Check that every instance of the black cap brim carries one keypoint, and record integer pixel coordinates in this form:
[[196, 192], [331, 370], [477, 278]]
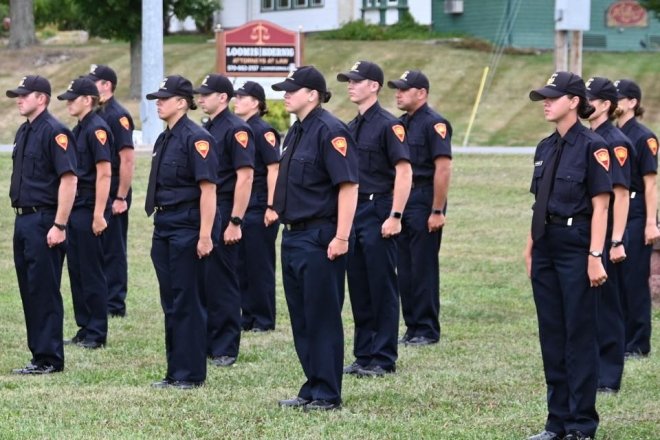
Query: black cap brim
[[286, 86], [203, 90], [67, 96], [161, 94], [398, 84], [345, 77], [545, 92], [15, 93]]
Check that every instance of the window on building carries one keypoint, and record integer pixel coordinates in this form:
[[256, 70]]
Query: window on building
[[267, 5], [300, 3], [315, 3], [283, 4]]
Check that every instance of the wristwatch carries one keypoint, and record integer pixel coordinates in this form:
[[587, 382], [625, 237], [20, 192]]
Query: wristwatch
[[617, 243], [123, 199], [59, 226], [236, 221], [395, 214], [596, 254], [438, 211]]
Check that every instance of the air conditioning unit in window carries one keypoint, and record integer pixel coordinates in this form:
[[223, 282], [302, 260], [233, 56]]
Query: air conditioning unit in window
[[453, 6]]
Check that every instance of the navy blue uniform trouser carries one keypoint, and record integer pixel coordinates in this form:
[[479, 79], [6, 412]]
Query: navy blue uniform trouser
[[257, 267], [222, 294], [89, 288], [419, 268], [115, 241], [566, 310], [611, 328], [636, 292], [39, 273], [180, 277], [372, 286], [314, 289]]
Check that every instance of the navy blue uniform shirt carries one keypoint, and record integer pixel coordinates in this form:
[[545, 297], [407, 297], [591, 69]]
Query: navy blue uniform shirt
[[235, 143], [620, 153], [93, 141], [381, 141], [188, 158], [49, 153], [267, 151], [583, 171], [121, 125], [324, 157], [429, 137], [645, 144]]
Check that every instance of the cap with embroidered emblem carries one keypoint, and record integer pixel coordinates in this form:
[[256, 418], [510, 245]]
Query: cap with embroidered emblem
[[251, 88], [102, 72], [29, 84], [363, 70], [410, 79], [305, 77], [601, 88], [215, 83], [560, 84], [82, 86], [627, 88], [173, 85]]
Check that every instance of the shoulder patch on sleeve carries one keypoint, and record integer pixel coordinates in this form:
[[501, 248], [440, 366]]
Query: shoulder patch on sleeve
[[124, 122], [101, 135], [603, 157], [340, 144], [62, 140], [400, 132], [270, 138], [202, 148], [242, 138], [653, 145], [621, 154], [441, 129]]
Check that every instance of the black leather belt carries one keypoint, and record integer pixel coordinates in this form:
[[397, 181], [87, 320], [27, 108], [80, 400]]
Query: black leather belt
[[309, 224], [567, 221], [25, 210], [178, 206], [363, 197]]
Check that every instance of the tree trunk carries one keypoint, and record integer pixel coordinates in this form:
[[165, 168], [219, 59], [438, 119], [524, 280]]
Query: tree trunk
[[136, 67], [21, 33]]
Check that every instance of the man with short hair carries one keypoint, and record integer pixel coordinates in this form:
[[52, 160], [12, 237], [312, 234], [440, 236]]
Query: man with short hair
[[429, 139], [42, 190], [123, 163]]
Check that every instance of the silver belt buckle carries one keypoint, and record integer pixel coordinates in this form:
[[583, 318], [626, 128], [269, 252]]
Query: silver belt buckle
[[569, 222]]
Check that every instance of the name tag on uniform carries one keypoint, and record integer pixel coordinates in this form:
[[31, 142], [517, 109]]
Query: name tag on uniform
[[538, 163]]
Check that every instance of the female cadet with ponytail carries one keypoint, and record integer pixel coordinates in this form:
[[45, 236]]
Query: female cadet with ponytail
[[315, 198], [564, 255]]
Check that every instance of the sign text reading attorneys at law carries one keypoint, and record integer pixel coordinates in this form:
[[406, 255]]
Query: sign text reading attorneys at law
[[258, 48]]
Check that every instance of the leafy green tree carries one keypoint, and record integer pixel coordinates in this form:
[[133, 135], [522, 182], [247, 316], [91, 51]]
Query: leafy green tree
[[652, 6]]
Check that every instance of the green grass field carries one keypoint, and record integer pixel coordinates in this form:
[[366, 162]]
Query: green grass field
[[483, 381]]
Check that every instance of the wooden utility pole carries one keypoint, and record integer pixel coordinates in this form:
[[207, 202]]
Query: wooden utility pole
[[572, 18]]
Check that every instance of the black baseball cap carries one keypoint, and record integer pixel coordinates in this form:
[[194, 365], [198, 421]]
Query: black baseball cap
[[410, 79], [560, 84], [82, 86], [215, 83], [251, 88], [29, 84], [173, 85], [601, 88], [628, 88], [306, 76], [100, 71], [363, 70]]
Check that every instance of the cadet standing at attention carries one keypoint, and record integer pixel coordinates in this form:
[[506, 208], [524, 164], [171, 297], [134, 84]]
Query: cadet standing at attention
[[429, 139], [235, 144], [84, 253], [181, 190], [642, 220], [385, 180], [602, 95], [42, 190], [564, 255], [260, 225], [123, 163], [315, 197]]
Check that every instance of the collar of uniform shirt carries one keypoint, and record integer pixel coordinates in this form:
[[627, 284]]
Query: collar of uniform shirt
[[311, 116], [571, 134]]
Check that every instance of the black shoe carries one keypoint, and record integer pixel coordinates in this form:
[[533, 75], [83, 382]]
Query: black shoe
[[607, 390], [178, 384], [405, 338], [419, 341], [545, 435], [260, 330], [322, 405], [91, 345], [294, 402], [374, 371], [73, 341], [353, 368], [577, 435], [117, 314], [223, 361], [634, 355], [37, 369]]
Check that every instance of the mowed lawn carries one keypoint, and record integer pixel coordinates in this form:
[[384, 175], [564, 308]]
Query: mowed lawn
[[483, 381]]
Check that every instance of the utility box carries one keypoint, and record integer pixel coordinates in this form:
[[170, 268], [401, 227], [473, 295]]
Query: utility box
[[572, 15]]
